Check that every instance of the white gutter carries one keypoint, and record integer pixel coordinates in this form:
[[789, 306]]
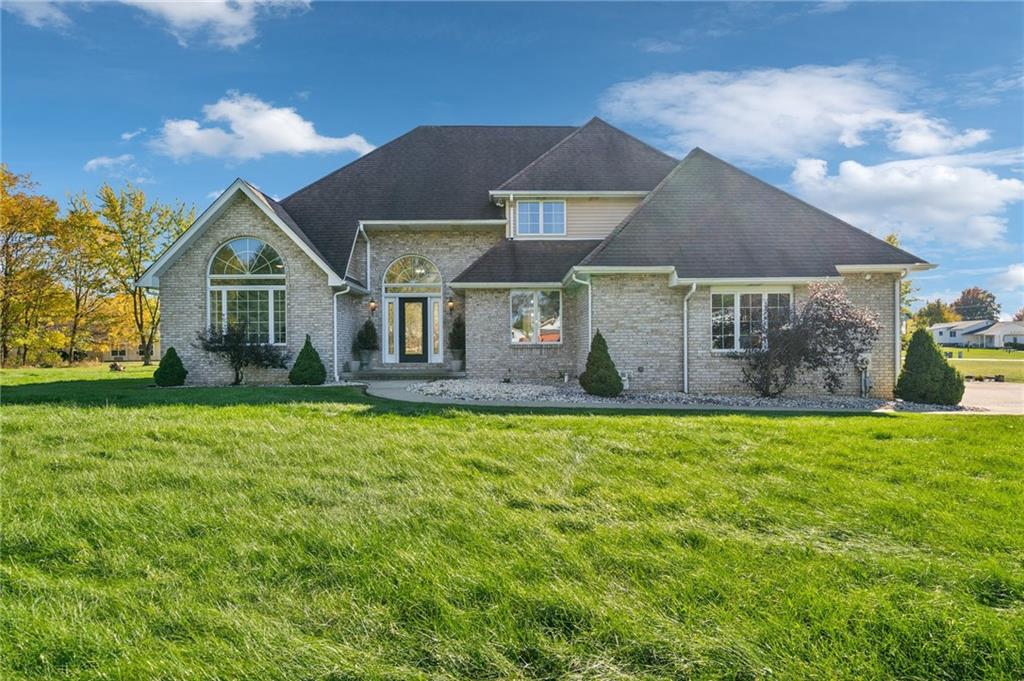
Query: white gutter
[[590, 307], [902, 269], [334, 335], [686, 337], [505, 284], [499, 193]]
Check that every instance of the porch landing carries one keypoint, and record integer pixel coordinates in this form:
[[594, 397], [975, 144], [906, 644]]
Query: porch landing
[[402, 373]]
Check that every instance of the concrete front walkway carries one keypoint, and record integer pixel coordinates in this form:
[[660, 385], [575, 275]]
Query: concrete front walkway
[[997, 398]]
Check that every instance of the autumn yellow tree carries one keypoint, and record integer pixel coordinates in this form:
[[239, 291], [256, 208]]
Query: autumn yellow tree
[[136, 233], [78, 246], [28, 290]]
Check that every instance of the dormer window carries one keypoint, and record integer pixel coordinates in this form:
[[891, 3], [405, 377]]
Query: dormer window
[[537, 218]]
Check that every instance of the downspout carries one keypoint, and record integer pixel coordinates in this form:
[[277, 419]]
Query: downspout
[[334, 309], [590, 307], [686, 337], [897, 340], [366, 237]]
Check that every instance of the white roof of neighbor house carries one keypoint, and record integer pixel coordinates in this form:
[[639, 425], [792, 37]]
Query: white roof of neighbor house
[[971, 325], [1001, 328]]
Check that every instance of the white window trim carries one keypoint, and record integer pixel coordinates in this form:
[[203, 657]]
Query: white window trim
[[736, 292], [561, 318], [540, 225], [212, 287]]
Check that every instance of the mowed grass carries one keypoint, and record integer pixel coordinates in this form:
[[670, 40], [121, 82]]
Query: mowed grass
[[314, 533], [995, 361], [985, 353]]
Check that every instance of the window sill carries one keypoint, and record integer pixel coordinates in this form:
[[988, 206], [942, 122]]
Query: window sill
[[536, 345]]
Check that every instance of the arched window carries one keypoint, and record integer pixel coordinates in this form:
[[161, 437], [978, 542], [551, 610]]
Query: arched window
[[247, 288], [412, 274]]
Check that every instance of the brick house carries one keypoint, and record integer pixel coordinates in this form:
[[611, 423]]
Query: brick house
[[538, 236]]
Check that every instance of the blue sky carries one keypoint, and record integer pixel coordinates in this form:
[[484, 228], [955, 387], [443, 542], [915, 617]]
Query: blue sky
[[897, 117]]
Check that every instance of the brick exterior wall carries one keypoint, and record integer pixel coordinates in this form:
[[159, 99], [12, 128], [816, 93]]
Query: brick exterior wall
[[451, 250], [490, 353], [183, 297]]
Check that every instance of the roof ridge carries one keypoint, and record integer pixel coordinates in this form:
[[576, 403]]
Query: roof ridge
[[351, 163], [544, 155], [635, 138], [629, 216], [844, 223]]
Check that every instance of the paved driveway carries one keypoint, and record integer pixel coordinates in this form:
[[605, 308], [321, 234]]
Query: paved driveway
[[998, 398]]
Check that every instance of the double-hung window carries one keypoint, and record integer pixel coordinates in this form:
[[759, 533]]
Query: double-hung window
[[247, 290], [535, 317], [739, 318], [536, 218]]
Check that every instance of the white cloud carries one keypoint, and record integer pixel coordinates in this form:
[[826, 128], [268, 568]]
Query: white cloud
[[779, 115], [1011, 279], [132, 134], [107, 162], [924, 200], [39, 13], [656, 46], [254, 129], [227, 23], [214, 194], [830, 7]]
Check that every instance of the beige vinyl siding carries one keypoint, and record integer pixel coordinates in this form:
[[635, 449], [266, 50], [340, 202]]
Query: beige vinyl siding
[[586, 218]]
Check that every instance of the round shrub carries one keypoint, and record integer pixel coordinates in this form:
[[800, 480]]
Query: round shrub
[[601, 377], [171, 371], [308, 368], [926, 376]]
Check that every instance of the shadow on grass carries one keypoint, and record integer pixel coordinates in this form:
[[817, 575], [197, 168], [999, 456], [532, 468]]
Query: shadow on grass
[[140, 392]]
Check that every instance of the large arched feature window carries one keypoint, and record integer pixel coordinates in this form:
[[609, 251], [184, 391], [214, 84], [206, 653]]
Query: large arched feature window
[[412, 274], [247, 288]]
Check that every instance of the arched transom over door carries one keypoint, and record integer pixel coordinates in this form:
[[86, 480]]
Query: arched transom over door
[[413, 325], [246, 288]]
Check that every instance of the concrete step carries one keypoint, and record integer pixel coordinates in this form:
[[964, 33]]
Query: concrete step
[[403, 374]]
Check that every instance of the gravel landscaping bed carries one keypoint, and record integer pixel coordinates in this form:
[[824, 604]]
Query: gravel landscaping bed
[[493, 391]]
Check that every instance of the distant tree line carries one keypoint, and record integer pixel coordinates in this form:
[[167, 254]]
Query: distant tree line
[[67, 280]]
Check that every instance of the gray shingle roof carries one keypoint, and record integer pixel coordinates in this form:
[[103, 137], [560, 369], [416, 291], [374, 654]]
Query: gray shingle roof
[[596, 157], [710, 219], [524, 261], [280, 212], [429, 173]]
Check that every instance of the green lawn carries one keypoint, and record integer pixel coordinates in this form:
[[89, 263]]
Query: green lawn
[[1010, 362], [986, 353], [317, 534]]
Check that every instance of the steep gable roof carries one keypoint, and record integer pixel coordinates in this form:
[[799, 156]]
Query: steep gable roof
[[430, 173], [709, 219], [596, 157]]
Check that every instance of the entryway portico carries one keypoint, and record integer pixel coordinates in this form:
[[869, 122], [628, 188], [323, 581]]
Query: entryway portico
[[412, 290]]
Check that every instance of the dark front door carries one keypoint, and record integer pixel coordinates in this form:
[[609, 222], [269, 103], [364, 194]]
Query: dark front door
[[412, 330]]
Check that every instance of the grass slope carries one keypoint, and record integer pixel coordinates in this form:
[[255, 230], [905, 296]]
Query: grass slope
[[312, 533]]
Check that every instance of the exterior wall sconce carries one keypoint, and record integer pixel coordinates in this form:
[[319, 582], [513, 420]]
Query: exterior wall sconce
[[373, 305], [451, 304]]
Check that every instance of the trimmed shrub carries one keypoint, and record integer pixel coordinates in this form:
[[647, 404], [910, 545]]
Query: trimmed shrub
[[171, 371], [366, 338], [601, 377], [457, 336], [308, 368], [926, 376]]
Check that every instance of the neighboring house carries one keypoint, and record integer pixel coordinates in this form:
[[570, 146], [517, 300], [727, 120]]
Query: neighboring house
[[538, 235], [124, 352], [978, 333], [957, 333]]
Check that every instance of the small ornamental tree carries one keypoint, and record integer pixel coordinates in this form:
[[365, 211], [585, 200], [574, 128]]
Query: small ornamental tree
[[171, 371], [308, 368], [457, 336], [829, 334], [600, 377], [366, 339], [234, 346], [926, 376]]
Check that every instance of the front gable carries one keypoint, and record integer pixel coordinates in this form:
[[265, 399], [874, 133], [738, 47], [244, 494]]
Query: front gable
[[239, 189]]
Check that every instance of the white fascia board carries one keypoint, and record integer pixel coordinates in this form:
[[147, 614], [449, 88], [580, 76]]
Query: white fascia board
[[429, 224], [749, 281], [608, 269], [505, 193], [912, 267], [151, 277], [505, 285]]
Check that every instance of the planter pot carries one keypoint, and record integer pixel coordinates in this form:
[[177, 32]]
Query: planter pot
[[364, 358], [458, 360]]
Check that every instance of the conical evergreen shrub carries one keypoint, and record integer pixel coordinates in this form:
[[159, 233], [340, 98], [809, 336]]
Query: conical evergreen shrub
[[171, 371], [308, 368], [926, 376], [601, 377]]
